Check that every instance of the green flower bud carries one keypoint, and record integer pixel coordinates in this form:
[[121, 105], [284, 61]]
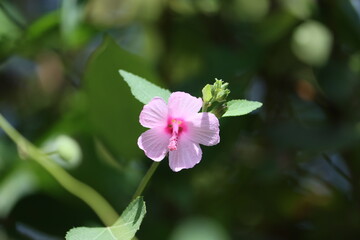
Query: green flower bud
[[220, 91], [224, 86], [216, 87], [64, 150], [222, 95], [217, 92], [219, 110], [206, 92]]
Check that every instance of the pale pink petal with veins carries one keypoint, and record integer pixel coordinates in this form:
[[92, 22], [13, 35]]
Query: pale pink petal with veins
[[154, 114], [154, 142], [183, 105], [187, 156], [203, 128]]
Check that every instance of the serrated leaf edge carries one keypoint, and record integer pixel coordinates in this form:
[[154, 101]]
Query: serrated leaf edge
[[234, 100]]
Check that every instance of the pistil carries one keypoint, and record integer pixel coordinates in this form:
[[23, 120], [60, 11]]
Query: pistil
[[175, 127]]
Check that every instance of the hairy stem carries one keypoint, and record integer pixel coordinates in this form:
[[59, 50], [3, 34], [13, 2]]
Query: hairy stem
[[146, 179], [92, 198], [204, 107]]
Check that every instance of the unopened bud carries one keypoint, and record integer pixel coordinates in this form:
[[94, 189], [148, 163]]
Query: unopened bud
[[222, 95], [206, 92], [219, 110], [64, 150], [224, 86], [220, 90]]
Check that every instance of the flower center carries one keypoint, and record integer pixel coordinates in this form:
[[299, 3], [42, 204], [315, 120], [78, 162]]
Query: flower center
[[175, 127]]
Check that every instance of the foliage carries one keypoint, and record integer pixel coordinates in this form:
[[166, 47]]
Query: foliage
[[124, 228], [241, 107], [289, 170], [143, 90]]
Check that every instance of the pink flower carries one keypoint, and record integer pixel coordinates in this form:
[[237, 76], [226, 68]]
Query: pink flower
[[177, 128]]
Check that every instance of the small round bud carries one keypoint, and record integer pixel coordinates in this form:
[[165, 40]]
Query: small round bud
[[64, 150]]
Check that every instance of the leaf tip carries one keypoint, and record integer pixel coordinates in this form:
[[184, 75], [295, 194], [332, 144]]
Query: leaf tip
[[68, 234], [259, 104], [123, 72]]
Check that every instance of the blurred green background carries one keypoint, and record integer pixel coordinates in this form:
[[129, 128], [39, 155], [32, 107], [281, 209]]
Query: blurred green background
[[291, 170]]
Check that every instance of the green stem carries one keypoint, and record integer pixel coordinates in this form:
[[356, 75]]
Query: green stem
[[146, 179], [206, 105], [51, 153], [92, 198], [204, 108]]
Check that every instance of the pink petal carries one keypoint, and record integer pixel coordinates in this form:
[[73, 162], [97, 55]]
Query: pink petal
[[187, 156], [203, 128], [154, 142], [154, 114], [183, 105]]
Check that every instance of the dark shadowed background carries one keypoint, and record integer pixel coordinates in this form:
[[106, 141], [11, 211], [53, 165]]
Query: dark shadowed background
[[290, 170]]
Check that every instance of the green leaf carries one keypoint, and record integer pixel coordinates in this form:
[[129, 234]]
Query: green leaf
[[142, 89], [123, 229], [241, 107], [206, 92], [114, 112]]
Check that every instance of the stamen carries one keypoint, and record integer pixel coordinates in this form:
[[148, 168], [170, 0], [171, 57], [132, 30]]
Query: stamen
[[173, 143], [174, 134]]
